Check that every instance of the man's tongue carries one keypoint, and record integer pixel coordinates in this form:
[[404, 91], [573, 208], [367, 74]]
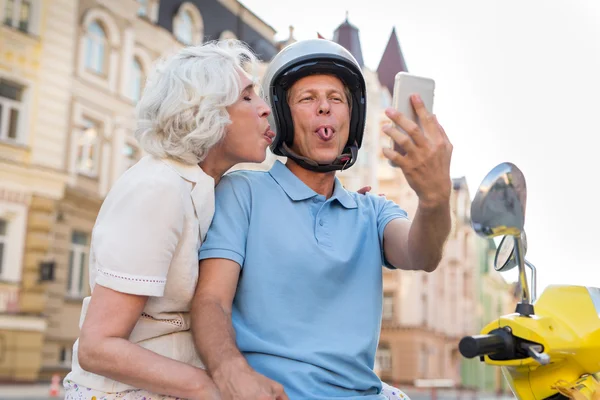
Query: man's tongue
[[325, 133]]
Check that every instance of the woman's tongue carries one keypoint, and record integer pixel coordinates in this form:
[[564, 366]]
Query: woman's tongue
[[325, 133]]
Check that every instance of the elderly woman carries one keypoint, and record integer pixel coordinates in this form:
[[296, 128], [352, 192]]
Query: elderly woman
[[198, 116]]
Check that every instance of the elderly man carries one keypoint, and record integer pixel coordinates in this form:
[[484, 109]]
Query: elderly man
[[289, 296]]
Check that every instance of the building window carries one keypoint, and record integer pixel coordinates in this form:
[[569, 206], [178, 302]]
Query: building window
[[383, 358], [95, 49], [137, 74], [388, 307], [143, 8], [13, 222], [490, 253], [227, 34], [11, 109], [130, 155], [499, 308], [188, 25], [17, 14], [98, 54], [148, 9], [9, 11], [24, 16], [66, 356], [185, 26], [3, 242], [467, 284], [425, 303], [424, 361], [87, 148], [78, 258]]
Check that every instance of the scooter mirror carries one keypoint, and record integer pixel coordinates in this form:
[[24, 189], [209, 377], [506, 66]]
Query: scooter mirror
[[506, 259], [499, 204]]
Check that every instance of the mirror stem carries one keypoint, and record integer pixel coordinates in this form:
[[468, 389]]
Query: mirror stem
[[533, 281], [525, 307]]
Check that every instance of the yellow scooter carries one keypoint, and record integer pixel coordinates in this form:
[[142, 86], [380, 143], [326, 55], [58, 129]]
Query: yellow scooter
[[547, 352]]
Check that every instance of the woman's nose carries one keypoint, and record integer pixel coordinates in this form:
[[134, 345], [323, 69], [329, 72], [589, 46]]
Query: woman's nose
[[263, 109]]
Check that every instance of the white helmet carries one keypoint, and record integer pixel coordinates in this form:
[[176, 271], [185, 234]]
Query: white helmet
[[310, 57]]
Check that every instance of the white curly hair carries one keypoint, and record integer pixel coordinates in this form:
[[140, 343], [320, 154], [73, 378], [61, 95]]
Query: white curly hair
[[182, 111]]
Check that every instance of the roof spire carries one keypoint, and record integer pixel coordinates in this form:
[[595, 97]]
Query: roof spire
[[347, 35], [391, 62]]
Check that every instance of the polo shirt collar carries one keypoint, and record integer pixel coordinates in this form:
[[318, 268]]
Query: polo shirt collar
[[342, 195], [298, 190]]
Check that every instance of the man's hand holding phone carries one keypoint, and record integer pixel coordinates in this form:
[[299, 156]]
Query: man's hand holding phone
[[427, 153]]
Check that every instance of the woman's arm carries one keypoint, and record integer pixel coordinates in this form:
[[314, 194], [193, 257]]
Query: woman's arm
[[104, 349]]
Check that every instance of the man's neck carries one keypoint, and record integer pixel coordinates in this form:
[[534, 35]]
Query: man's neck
[[320, 182]]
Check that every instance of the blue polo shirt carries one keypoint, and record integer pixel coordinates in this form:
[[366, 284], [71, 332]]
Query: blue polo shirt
[[307, 310]]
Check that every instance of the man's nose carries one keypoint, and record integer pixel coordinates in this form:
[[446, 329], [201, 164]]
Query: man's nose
[[324, 107]]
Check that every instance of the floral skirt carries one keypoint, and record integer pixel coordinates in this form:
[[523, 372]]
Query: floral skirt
[[393, 393], [78, 392], [74, 391]]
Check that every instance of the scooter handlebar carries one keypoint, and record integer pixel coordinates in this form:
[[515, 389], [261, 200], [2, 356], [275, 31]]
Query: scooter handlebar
[[481, 345]]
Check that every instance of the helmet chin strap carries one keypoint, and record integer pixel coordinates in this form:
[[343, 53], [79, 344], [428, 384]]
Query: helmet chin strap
[[342, 162]]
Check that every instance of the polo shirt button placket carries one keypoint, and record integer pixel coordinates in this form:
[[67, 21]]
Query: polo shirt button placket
[[319, 226]]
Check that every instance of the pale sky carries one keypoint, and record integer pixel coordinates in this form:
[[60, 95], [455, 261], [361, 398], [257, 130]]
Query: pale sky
[[516, 80]]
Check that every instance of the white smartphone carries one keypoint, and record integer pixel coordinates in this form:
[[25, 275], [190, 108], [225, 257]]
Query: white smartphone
[[406, 85]]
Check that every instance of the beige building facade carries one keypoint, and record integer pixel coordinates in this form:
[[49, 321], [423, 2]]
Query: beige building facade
[[496, 297], [113, 49], [426, 314], [35, 64], [70, 75]]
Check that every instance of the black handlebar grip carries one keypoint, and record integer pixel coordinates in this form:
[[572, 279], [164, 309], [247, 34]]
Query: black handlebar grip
[[481, 345]]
